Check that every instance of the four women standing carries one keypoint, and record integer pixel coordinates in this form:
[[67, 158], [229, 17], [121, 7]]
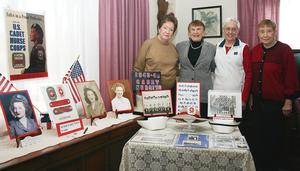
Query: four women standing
[[269, 74]]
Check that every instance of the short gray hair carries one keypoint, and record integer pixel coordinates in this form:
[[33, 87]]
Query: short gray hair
[[230, 19]]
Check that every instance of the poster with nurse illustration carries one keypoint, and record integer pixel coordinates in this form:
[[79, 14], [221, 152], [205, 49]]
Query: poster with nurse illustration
[[25, 45]]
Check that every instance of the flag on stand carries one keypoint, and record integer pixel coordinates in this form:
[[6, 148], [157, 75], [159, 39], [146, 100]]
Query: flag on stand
[[6, 85], [74, 75]]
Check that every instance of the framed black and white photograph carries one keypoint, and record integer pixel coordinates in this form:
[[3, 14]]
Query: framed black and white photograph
[[226, 104], [157, 103], [211, 18]]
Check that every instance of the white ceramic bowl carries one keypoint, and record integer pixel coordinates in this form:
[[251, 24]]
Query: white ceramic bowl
[[154, 123], [223, 127]]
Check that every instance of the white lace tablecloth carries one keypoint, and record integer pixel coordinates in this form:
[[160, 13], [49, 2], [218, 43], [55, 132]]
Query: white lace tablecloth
[[139, 156], [48, 138]]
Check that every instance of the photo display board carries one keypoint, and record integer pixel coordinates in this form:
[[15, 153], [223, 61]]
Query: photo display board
[[187, 95], [156, 103], [224, 104], [62, 109]]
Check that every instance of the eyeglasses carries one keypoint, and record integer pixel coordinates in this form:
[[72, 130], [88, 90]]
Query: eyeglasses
[[231, 29]]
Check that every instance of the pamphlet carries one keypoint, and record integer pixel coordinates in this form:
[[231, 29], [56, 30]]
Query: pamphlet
[[228, 141], [154, 137], [192, 140]]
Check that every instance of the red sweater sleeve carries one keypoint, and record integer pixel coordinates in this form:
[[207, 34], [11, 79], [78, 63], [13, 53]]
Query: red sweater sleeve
[[248, 73], [291, 83]]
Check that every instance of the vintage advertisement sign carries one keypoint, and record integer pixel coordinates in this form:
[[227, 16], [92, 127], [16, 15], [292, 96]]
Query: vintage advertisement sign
[[26, 45]]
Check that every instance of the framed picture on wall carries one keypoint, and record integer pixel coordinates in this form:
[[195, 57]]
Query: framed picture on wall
[[211, 18]]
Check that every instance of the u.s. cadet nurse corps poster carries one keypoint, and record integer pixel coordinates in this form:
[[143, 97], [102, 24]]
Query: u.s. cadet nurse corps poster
[[26, 45]]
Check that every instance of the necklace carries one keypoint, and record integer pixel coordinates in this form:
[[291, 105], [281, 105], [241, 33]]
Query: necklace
[[195, 47]]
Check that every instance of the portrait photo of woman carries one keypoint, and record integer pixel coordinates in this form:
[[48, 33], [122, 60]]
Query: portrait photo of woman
[[121, 95], [19, 114], [92, 101]]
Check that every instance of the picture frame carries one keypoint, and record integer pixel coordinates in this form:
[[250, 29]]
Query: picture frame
[[121, 102], [17, 109], [62, 108], [212, 19], [157, 103], [187, 95], [224, 104], [91, 99]]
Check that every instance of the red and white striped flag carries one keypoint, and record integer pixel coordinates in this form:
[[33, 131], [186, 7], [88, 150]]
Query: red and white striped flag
[[74, 75], [6, 85]]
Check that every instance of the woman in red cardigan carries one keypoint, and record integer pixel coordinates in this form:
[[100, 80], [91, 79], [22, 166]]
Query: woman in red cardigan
[[274, 84]]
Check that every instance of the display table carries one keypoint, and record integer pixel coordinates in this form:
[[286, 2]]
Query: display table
[[99, 150], [163, 156]]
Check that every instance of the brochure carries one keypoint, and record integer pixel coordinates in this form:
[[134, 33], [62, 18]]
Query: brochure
[[154, 137], [192, 140], [228, 141]]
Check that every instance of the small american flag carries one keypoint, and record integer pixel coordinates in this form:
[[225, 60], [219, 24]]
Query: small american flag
[[74, 75], [6, 85]]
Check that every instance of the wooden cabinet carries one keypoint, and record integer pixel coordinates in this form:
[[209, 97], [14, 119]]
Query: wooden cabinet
[[101, 150]]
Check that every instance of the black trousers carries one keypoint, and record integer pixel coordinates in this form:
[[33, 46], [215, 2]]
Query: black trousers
[[268, 143], [203, 110]]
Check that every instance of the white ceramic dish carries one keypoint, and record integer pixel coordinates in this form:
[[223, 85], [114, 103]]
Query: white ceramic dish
[[223, 127], [154, 123]]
